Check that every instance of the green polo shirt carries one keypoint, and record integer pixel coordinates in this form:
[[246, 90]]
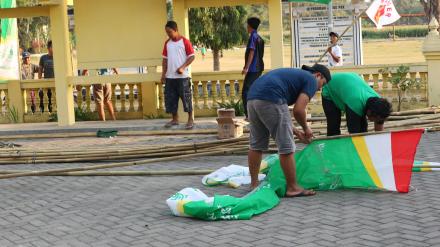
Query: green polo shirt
[[348, 89]]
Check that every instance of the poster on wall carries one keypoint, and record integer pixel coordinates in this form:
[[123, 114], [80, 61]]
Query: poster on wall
[[8, 45], [311, 34]]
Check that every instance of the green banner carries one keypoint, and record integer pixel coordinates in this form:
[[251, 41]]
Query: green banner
[[379, 162], [8, 45]]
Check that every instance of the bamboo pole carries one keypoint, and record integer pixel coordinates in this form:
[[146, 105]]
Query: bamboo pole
[[188, 172], [88, 158], [85, 153], [120, 133], [115, 165], [343, 33]]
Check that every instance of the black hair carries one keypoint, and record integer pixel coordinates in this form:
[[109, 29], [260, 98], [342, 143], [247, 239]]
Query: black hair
[[49, 44], [253, 22], [379, 107], [171, 25]]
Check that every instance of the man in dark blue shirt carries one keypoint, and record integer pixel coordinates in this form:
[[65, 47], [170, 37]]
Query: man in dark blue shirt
[[268, 107], [254, 64]]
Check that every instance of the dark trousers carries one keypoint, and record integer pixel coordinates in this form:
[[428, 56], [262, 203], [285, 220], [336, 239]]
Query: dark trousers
[[355, 123], [248, 80], [175, 89]]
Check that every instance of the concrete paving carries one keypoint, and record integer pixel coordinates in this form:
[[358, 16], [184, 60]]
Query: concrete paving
[[131, 211]]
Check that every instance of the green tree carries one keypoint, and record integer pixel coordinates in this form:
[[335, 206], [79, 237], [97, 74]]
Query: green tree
[[218, 29], [432, 8], [401, 80], [31, 29]]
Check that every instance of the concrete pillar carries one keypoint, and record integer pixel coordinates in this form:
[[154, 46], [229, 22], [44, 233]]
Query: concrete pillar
[[276, 33], [16, 99], [62, 63], [180, 12], [431, 50], [149, 96]]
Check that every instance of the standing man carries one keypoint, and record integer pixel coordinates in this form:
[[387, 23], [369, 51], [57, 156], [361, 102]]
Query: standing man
[[46, 69], [268, 107], [102, 94], [178, 54], [349, 93], [334, 52], [28, 71], [254, 64]]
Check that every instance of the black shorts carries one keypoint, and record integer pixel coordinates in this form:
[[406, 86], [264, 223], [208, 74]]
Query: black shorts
[[175, 89]]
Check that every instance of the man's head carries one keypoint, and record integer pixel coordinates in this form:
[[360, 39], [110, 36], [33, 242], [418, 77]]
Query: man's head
[[49, 47], [252, 24], [26, 57], [321, 73], [378, 109], [171, 30], [333, 37]]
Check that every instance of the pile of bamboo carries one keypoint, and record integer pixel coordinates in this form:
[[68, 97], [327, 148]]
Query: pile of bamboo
[[140, 155]]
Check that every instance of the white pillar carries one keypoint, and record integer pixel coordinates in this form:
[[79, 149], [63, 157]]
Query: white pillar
[[276, 33], [431, 50]]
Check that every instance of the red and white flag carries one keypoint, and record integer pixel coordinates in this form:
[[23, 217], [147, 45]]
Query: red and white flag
[[383, 12]]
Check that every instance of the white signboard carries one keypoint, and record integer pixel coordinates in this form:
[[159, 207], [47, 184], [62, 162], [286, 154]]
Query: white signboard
[[311, 37]]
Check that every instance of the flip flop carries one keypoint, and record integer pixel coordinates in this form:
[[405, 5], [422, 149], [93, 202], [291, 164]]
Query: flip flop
[[170, 124], [302, 194], [189, 126]]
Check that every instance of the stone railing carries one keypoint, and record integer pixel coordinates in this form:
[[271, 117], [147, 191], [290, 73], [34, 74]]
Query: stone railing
[[39, 100], [381, 81], [35, 100], [210, 91]]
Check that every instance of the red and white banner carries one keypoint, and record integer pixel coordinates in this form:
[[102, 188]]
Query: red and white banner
[[383, 12]]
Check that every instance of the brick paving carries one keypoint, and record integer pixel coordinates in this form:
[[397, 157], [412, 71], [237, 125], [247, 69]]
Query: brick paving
[[131, 211]]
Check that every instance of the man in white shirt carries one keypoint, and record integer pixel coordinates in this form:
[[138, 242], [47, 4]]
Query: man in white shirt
[[334, 52], [178, 54]]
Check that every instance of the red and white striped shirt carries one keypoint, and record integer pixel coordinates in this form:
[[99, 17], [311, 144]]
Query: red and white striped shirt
[[177, 52]]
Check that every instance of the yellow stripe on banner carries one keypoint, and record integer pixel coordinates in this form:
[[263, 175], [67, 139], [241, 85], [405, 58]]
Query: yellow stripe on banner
[[364, 154], [426, 169]]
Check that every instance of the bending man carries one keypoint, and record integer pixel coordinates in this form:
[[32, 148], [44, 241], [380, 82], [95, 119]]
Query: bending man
[[348, 92], [268, 108]]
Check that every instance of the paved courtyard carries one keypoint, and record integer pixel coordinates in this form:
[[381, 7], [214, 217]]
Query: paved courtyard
[[131, 211]]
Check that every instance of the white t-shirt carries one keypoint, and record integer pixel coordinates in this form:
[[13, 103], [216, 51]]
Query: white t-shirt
[[337, 51], [177, 52]]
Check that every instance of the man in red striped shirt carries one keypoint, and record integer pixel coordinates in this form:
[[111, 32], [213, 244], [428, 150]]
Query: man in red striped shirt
[[178, 54]]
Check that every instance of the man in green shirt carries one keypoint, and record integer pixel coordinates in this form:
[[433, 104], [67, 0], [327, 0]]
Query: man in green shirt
[[348, 92]]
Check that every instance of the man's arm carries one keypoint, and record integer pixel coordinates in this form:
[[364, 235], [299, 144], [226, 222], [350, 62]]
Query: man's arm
[[378, 126], [187, 63], [248, 62], [299, 112], [334, 56], [40, 68], [164, 69]]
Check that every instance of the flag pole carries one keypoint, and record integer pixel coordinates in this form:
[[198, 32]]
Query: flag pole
[[343, 33]]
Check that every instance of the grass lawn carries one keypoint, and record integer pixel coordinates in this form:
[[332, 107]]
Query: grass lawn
[[375, 52]]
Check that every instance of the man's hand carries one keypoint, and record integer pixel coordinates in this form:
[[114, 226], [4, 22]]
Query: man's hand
[[244, 72], [329, 50], [298, 133], [180, 70], [308, 134]]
